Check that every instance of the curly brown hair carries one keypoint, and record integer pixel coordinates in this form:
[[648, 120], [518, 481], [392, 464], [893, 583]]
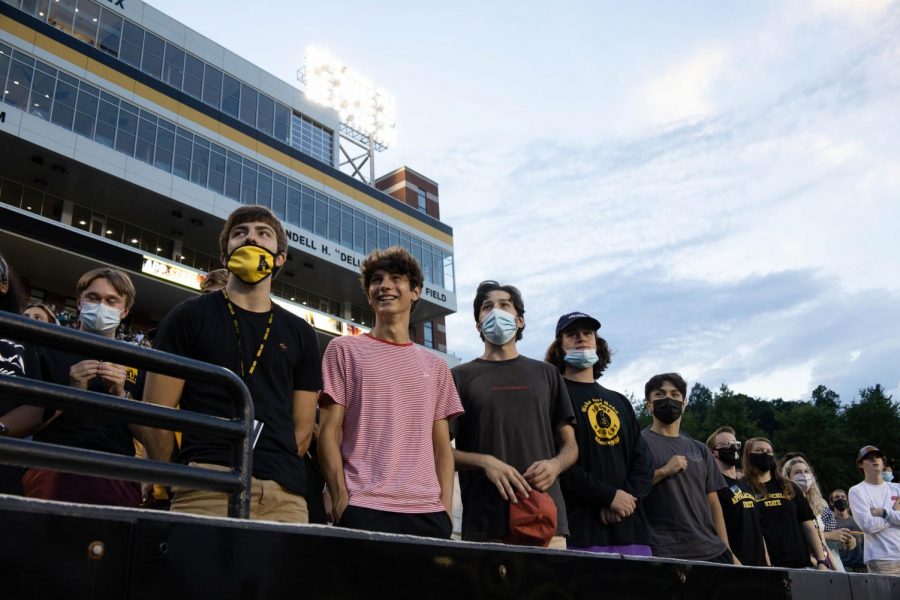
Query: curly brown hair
[[556, 356], [396, 261]]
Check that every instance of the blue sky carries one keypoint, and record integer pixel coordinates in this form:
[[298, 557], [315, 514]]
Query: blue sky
[[717, 182]]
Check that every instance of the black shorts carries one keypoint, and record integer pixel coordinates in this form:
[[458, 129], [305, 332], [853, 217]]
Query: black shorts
[[436, 524]]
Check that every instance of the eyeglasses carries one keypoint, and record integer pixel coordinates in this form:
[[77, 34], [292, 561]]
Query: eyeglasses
[[735, 444]]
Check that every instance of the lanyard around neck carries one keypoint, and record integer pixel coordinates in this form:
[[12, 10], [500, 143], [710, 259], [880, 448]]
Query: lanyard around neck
[[237, 330]]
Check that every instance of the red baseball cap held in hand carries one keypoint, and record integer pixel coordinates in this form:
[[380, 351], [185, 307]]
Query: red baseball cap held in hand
[[532, 521]]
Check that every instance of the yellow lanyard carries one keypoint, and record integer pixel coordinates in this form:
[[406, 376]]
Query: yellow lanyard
[[237, 331]]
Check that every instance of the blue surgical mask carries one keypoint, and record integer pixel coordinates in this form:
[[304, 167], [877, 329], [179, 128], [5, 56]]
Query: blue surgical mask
[[581, 359], [888, 476], [499, 327], [99, 318]]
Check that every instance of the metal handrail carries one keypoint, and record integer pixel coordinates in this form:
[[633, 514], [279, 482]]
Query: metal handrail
[[238, 430]]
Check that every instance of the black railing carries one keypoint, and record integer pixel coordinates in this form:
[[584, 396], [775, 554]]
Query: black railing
[[238, 430]]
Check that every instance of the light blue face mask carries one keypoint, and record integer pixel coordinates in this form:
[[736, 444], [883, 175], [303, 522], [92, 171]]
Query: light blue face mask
[[888, 476], [499, 327], [99, 318], [581, 359]]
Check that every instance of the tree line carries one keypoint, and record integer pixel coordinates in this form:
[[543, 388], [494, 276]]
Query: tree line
[[828, 432]]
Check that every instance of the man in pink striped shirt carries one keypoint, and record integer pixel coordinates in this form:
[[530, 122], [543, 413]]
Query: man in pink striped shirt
[[384, 435]]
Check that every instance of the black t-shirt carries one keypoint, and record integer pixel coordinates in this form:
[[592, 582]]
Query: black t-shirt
[[612, 455], [781, 519], [745, 534], [202, 328], [87, 431], [513, 410]]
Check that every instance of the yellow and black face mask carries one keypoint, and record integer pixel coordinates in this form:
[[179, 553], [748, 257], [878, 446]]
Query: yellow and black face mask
[[251, 264]]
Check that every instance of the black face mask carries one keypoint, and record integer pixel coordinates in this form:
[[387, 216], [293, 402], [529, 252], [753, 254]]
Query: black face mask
[[730, 455], [840, 504], [667, 410], [763, 462]]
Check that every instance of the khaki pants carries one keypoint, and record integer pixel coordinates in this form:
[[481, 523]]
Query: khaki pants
[[884, 567], [268, 501]]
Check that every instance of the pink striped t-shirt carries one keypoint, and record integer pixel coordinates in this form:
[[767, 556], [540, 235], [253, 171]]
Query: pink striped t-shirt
[[392, 394]]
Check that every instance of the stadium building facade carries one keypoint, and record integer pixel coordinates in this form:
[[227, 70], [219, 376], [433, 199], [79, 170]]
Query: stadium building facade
[[126, 138]]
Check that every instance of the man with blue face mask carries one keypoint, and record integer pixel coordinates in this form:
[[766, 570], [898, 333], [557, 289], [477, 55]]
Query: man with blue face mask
[[105, 297], [603, 489], [516, 436]]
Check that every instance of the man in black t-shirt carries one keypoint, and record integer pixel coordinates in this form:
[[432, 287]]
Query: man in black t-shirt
[[603, 490], [104, 298], [275, 352], [517, 432]]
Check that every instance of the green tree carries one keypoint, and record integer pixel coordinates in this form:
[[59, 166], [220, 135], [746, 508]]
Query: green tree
[[819, 433], [873, 419], [732, 409], [700, 401], [825, 398]]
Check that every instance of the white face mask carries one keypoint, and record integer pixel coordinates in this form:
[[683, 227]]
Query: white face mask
[[99, 318], [499, 327], [804, 481]]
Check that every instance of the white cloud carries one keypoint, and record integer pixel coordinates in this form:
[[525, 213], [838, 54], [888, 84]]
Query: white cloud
[[683, 91]]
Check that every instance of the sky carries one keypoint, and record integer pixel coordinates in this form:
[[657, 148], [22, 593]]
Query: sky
[[717, 182]]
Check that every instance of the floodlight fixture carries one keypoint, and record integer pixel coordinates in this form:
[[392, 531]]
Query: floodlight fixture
[[362, 107]]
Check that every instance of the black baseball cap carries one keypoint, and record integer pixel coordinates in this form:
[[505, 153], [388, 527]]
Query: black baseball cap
[[569, 318]]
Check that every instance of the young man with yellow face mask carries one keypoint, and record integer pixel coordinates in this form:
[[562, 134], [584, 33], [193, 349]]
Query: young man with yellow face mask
[[276, 354]]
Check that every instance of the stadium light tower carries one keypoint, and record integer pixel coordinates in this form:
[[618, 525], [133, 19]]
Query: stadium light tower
[[367, 113]]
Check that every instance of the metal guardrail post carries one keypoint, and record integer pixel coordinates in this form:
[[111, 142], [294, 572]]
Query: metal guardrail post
[[238, 430]]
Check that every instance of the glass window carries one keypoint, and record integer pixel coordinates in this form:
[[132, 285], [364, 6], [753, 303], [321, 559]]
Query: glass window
[[152, 60], [62, 14], [249, 101], [115, 230], [233, 177], [200, 162], [279, 195], [248, 183], [86, 110], [81, 217], [64, 104], [231, 95], [295, 199], [165, 146], [264, 187], [217, 168], [126, 130], [11, 193], [193, 76], [266, 116], [423, 202], [87, 15], [165, 247], [42, 92], [18, 84], [309, 210], [184, 141], [5, 52], [173, 66], [146, 138], [429, 334], [37, 8], [212, 86], [109, 35], [282, 123], [107, 117], [132, 44]]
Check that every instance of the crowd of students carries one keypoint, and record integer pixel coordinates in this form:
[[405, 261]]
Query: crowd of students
[[369, 435]]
